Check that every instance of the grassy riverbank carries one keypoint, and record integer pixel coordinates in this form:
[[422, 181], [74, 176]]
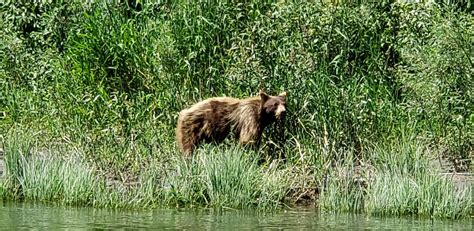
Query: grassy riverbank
[[378, 96]]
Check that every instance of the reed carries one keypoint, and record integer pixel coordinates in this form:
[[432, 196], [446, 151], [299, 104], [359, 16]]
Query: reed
[[426, 195], [399, 180]]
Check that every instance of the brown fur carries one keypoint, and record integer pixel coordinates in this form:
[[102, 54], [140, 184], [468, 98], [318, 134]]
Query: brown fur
[[213, 119]]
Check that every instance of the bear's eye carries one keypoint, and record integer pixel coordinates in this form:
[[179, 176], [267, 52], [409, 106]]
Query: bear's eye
[[275, 104]]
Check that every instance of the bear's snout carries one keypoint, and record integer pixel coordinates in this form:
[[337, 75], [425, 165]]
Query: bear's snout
[[280, 112]]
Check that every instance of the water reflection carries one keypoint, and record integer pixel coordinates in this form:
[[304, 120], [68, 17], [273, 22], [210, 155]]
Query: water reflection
[[33, 216]]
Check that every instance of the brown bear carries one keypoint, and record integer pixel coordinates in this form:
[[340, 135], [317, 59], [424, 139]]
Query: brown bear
[[213, 119]]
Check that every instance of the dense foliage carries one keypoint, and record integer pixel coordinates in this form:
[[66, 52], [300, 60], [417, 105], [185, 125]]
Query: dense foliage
[[106, 80]]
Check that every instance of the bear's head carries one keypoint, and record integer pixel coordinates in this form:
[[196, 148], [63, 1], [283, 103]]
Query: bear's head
[[273, 107]]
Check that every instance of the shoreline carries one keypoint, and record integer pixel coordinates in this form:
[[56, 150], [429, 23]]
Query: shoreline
[[295, 197]]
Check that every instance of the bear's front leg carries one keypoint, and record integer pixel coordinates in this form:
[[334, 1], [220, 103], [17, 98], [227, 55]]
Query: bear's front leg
[[249, 138]]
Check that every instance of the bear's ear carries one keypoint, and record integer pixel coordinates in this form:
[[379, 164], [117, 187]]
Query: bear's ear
[[283, 94], [263, 96]]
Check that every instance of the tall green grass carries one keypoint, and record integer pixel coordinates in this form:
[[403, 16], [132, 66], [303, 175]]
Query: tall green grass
[[226, 178], [426, 195], [45, 175], [214, 177], [101, 84], [396, 180]]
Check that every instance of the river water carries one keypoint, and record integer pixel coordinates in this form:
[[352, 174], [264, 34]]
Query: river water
[[18, 216]]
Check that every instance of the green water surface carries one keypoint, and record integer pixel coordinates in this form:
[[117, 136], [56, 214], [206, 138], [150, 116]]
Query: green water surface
[[15, 216]]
